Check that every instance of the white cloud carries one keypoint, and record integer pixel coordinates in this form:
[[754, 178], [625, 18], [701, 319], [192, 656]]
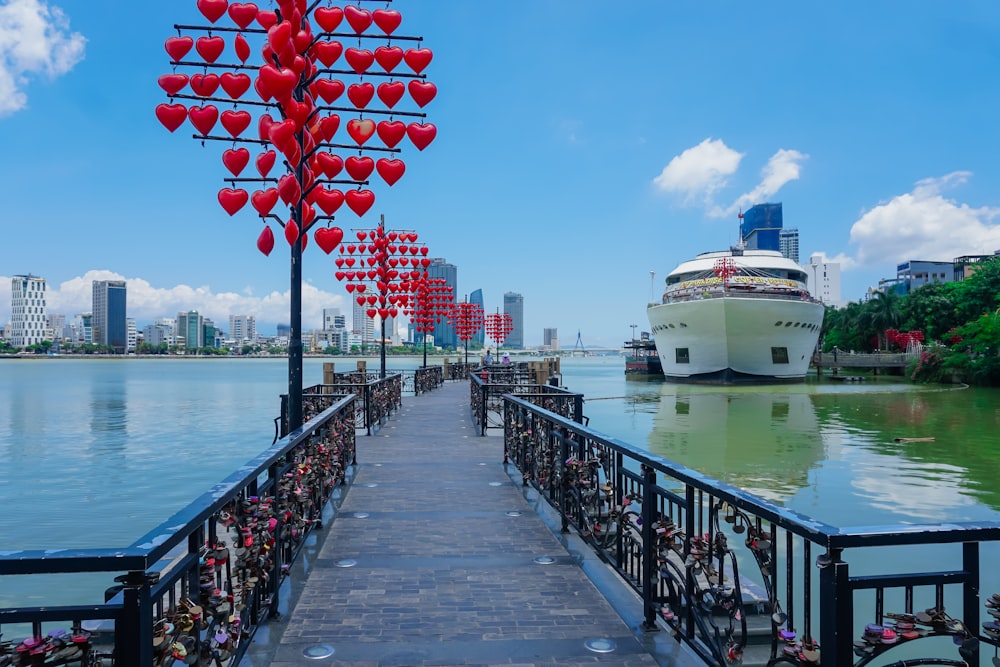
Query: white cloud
[[146, 303], [34, 38], [699, 172], [846, 262], [924, 224]]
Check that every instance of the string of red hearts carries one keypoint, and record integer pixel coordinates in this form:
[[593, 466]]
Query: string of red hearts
[[431, 301], [498, 326], [467, 319]]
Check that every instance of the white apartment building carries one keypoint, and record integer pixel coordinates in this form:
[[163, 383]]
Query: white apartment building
[[824, 280], [243, 328], [28, 321]]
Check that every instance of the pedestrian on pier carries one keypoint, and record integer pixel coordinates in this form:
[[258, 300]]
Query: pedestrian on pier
[[488, 361]]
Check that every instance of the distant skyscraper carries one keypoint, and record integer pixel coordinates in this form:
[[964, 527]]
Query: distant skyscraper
[[444, 333], [788, 242], [284, 331], [28, 322], [190, 330], [361, 324], [761, 226], [243, 328], [476, 297], [824, 280], [550, 339], [109, 323], [333, 319], [513, 305]]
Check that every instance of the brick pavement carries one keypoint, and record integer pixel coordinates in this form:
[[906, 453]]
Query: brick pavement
[[422, 564]]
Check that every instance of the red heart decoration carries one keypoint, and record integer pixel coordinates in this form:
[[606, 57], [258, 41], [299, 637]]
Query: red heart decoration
[[235, 121], [349, 261], [172, 83], [328, 89], [359, 168], [363, 235], [390, 170], [298, 112], [264, 124], [265, 161], [210, 48], [391, 132], [418, 59], [266, 19], [422, 92], [204, 118], [264, 200], [236, 159], [358, 18], [233, 200], [205, 85], [387, 20], [371, 313], [360, 94], [178, 47], [302, 39], [388, 57], [383, 313], [282, 134], [212, 9], [243, 13], [425, 262], [423, 250], [242, 48], [359, 59], [359, 201], [291, 232], [328, 238], [361, 129], [289, 189], [308, 216], [236, 84], [360, 288], [393, 312], [279, 82], [328, 18], [391, 92], [350, 288], [262, 91], [329, 125], [265, 242], [360, 299], [327, 52], [329, 164], [421, 134], [279, 36], [328, 200], [171, 115]]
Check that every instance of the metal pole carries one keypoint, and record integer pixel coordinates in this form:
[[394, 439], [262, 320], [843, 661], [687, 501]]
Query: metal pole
[[295, 335], [425, 349], [382, 356]]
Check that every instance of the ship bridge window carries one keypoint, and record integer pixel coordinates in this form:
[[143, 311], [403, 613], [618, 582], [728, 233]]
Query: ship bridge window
[[681, 355], [779, 355]]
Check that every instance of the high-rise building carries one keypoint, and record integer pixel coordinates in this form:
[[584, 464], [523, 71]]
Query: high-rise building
[[190, 330], [361, 324], [158, 334], [444, 333], [513, 305], [476, 297], [131, 335], [761, 227], [550, 339], [109, 323], [824, 280], [56, 324], [788, 244], [28, 321], [242, 328], [333, 319]]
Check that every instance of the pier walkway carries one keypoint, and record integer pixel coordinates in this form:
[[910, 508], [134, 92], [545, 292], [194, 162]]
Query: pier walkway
[[431, 560]]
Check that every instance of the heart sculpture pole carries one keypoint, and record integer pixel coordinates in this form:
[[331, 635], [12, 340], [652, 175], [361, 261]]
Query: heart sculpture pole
[[430, 302], [305, 141], [498, 327], [467, 319], [381, 270]]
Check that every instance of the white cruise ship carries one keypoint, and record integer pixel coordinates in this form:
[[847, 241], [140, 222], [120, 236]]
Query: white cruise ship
[[736, 316]]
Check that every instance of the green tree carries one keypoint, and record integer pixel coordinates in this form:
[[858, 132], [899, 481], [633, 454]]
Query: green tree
[[881, 312]]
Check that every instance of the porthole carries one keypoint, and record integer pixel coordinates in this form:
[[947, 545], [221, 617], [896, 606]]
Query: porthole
[[778, 323], [671, 326], [683, 326], [788, 324]]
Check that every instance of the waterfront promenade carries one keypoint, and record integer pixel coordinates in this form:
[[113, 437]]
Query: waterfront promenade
[[431, 560]]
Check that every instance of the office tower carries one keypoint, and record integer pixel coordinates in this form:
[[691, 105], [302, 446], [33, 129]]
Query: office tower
[[333, 319], [550, 339], [788, 243], [109, 324], [476, 297], [444, 333], [243, 328], [513, 305], [131, 334], [760, 227], [190, 330], [361, 324], [56, 324], [158, 334], [28, 322]]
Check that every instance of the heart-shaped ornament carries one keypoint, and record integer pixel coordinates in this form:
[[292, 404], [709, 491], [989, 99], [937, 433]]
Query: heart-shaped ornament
[[387, 20], [328, 200], [359, 168], [236, 159], [359, 59], [360, 129], [329, 164], [421, 134], [243, 13], [360, 94], [359, 19], [422, 92], [391, 132], [390, 170], [328, 18], [265, 161], [178, 47], [172, 83], [328, 238], [233, 200], [204, 118], [205, 85], [359, 201], [210, 48], [388, 57], [418, 59], [327, 52], [212, 9], [265, 242], [264, 201], [235, 121], [235, 84], [390, 92], [242, 48], [171, 115]]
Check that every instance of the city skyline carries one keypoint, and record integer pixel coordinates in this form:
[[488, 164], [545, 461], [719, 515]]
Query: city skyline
[[878, 141]]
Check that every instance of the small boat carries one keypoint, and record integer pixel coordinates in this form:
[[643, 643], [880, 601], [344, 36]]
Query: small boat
[[641, 358]]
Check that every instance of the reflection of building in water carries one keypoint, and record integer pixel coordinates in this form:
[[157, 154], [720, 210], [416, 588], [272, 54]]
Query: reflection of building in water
[[761, 441]]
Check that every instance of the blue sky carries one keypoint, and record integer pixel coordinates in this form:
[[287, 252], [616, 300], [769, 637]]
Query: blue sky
[[581, 145]]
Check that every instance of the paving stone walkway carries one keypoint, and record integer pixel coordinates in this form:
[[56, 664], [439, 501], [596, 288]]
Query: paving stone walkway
[[431, 560]]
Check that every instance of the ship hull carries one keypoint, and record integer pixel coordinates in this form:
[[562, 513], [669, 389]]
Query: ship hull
[[735, 339]]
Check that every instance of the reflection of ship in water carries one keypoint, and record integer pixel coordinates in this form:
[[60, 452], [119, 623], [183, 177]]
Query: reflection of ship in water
[[765, 442]]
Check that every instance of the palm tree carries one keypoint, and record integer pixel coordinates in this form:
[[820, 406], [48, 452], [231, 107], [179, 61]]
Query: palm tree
[[883, 311]]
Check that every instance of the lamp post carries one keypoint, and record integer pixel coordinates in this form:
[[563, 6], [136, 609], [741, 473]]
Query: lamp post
[[633, 330], [295, 85]]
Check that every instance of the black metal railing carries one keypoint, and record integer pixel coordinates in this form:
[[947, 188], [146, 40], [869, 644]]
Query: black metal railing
[[378, 398], [426, 379], [740, 579], [206, 579], [455, 372], [488, 385]]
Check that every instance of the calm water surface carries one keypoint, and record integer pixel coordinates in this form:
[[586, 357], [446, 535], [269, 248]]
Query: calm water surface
[[98, 452]]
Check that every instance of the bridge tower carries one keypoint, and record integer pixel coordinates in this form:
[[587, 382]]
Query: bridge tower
[[579, 348]]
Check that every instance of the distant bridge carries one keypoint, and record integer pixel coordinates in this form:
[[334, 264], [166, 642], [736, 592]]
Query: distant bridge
[[874, 361]]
